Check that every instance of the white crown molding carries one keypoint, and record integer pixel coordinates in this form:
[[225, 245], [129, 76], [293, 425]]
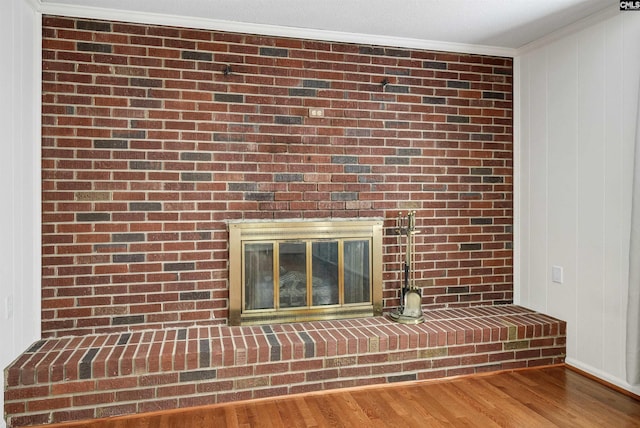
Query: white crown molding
[[36, 5], [603, 15], [61, 9]]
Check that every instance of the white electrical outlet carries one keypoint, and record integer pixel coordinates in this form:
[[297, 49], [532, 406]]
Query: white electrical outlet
[[557, 274], [316, 112]]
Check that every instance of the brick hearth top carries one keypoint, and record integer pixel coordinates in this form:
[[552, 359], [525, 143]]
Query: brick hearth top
[[205, 348], [85, 377]]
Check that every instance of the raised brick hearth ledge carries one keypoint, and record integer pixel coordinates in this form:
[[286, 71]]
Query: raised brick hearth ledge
[[71, 378]]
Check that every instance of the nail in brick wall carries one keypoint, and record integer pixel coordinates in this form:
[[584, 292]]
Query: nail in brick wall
[[150, 146]]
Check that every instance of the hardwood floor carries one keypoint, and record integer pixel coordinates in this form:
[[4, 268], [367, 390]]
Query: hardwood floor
[[544, 397]]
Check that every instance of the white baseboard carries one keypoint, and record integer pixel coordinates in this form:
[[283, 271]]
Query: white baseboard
[[607, 377]]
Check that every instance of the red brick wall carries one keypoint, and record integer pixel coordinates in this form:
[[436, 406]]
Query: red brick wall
[[149, 148]]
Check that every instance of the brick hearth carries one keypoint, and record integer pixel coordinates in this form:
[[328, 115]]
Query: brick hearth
[[71, 378]]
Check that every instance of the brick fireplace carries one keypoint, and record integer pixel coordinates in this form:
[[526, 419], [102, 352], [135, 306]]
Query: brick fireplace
[[156, 139]]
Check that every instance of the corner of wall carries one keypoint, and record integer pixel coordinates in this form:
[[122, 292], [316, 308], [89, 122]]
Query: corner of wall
[[20, 246], [517, 280]]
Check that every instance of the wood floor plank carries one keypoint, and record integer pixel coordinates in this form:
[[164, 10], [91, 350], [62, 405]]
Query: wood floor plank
[[267, 415], [419, 413], [290, 414], [542, 397], [369, 409], [309, 420], [550, 402], [562, 404], [348, 405], [483, 403], [461, 399], [333, 415]]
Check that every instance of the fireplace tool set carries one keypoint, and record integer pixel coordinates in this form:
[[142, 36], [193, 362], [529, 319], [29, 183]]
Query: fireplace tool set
[[410, 309]]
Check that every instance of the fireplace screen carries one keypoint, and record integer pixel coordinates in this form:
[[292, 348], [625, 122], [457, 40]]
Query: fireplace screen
[[304, 270]]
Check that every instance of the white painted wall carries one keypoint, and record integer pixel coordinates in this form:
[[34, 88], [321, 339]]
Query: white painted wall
[[577, 102], [20, 67]]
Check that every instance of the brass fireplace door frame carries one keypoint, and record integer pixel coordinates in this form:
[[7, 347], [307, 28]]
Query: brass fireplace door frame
[[241, 233]]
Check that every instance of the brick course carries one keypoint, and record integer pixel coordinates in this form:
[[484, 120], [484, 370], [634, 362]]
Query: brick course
[[154, 137]]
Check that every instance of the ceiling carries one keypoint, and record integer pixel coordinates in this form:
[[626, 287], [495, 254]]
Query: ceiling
[[508, 24]]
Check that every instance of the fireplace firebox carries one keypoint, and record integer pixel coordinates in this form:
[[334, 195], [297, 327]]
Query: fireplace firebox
[[304, 270]]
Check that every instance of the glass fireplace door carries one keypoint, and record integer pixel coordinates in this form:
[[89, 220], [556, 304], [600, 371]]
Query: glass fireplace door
[[292, 274], [357, 281], [304, 271], [258, 275], [306, 274], [326, 279]]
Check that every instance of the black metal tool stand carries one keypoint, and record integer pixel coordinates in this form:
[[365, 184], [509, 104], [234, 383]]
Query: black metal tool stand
[[410, 309]]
